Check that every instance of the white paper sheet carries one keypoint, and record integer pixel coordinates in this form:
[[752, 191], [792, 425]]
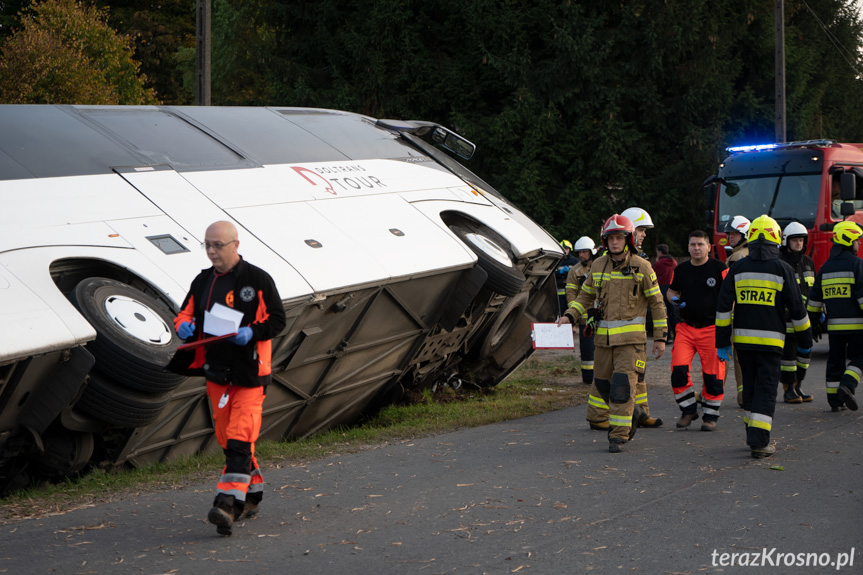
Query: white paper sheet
[[552, 336], [222, 320]]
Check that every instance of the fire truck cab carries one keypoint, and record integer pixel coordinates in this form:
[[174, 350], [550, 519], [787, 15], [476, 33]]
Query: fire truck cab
[[816, 182]]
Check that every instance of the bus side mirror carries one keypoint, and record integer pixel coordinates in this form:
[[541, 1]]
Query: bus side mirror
[[848, 188]]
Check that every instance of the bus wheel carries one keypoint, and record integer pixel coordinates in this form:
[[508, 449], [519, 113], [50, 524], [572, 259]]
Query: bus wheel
[[135, 336], [503, 277]]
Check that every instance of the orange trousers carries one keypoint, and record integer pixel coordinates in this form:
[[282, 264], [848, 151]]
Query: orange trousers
[[688, 341], [238, 424]]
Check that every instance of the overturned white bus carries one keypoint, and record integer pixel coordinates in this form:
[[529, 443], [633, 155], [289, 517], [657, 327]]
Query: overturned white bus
[[398, 269]]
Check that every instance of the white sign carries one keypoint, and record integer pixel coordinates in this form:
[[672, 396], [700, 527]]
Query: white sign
[[552, 336]]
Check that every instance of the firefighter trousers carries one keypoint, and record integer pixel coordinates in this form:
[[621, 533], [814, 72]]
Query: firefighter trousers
[[237, 417], [794, 363], [760, 371], [844, 364], [616, 380], [597, 408], [586, 349], [687, 343]]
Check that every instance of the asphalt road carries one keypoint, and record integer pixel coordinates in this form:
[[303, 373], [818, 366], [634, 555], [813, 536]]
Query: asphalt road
[[538, 495]]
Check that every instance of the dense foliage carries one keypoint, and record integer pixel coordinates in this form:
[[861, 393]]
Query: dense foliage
[[578, 109]]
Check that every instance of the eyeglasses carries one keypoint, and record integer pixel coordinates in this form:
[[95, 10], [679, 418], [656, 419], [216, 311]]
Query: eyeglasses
[[218, 246]]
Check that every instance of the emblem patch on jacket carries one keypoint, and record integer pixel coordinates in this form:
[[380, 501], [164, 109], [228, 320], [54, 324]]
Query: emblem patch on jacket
[[247, 294]]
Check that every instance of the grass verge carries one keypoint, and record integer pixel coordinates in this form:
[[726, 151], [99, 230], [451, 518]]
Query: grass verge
[[546, 382]]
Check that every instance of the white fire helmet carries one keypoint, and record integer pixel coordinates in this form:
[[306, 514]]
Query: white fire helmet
[[638, 217], [795, 230], [738, 224], [584, 243]]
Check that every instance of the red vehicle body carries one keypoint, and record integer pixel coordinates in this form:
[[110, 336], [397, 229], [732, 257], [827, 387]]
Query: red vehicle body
[[795, 181]]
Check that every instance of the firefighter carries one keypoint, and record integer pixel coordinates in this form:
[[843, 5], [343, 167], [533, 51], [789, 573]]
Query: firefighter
[[624, 285], [736, 230], [736, 250], [642, 222], [838, 287], [759, 288], [563, 267], [585, 250], [794, 364]]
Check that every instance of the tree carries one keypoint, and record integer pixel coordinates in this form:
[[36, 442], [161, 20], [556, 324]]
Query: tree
[[66, 53]]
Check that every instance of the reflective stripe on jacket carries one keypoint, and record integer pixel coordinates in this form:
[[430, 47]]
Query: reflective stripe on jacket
[[760, 290], [624, 292]]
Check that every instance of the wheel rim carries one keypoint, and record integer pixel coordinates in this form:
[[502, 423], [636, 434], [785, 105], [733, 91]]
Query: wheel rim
[[137, 320], [489, 248]]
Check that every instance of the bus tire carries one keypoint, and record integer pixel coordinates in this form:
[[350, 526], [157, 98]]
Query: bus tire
[[503, 277], [135, 336]]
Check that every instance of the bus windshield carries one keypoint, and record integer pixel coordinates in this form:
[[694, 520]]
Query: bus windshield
[[788, 198]]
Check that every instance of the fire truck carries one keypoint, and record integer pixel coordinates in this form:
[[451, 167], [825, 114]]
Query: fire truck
[[816, 182]]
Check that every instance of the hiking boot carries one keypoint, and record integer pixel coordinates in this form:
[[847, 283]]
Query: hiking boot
[[762, 452], [686, 419], [790, 395], [250, 509], [846, 395], [651, 422], [708, 425], [223, 519], [805, 397], [223, 513], [600, 426]]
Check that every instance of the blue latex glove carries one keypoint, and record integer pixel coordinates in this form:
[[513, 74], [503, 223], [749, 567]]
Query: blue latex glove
[[803, 350], [724, 353], [243, 336], [186, 330], [679, 304], [563, 269]]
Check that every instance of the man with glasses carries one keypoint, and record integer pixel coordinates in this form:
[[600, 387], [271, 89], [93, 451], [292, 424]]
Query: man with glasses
[[237, 369]]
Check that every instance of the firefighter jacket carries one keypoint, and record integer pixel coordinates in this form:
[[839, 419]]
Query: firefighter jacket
[[804, 269], [739, 252], [760, 288], [623, 290], [574, 280], [254, 293], [838, 289]]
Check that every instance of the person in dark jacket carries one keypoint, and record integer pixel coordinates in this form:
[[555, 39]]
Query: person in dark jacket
[[237, 369], [759, 288], [838, 287], [795, 364]]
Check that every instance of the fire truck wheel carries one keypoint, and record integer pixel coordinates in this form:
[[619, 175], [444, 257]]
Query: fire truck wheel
[[135, 336], [503, 277]]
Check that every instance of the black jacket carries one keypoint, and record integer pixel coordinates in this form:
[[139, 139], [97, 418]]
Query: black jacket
[[256, 296]]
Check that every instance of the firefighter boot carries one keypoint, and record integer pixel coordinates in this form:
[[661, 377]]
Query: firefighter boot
[[599, 426], [846, 395], [762, 452], [614, 445], [223, 513], [804, 397], [790, 395], [651, 422]]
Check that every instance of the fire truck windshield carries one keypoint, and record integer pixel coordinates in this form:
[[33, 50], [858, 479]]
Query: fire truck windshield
[[788, 198]]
